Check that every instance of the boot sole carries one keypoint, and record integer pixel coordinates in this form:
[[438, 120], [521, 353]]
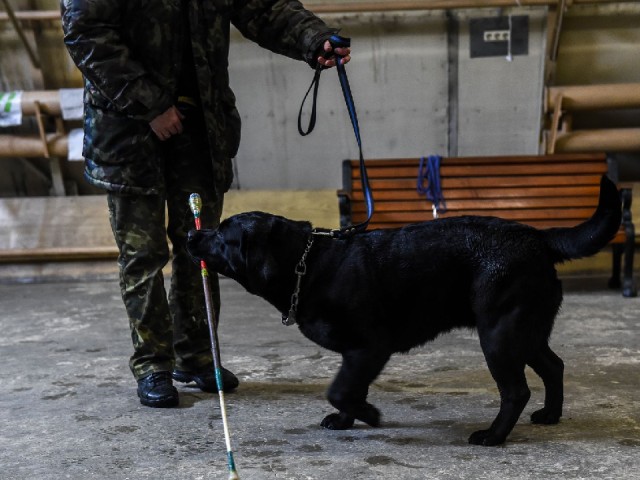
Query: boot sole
[[188, 378], [166, 403]]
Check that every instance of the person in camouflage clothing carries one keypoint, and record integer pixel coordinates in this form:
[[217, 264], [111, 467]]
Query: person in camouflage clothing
[[161, 123]]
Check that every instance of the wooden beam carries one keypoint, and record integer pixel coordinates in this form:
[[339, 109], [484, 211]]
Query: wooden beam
[[34, 16], [57, 254], [366, 7], [593, 97], [602, 140], [49, 101], [31, 146]]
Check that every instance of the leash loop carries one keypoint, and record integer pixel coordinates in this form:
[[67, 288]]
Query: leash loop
[[429, 172], [315, 83]]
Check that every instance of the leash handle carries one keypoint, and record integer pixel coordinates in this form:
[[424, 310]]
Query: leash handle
[[315, 83], [341, 42], [336, 42]]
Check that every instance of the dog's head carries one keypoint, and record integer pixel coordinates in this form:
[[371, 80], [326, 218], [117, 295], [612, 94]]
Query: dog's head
[[253, 248]]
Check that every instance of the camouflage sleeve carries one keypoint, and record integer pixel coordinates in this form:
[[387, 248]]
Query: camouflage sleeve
[[282, 26], [91, 35]]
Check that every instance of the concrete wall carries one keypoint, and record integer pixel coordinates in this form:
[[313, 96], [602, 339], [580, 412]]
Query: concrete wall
[[401, 73], [399, 81], [499, 100]]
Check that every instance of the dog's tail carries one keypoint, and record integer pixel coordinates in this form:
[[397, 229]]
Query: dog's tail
[[591, 236]]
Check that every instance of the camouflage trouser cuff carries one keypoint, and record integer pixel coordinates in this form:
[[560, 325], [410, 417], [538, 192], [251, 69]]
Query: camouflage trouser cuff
[[142, 371]]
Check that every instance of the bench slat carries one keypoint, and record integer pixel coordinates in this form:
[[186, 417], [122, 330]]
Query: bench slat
[[487, 170], [482, 193], [485, 182], [466, 205], [578, 214], [479, 161]]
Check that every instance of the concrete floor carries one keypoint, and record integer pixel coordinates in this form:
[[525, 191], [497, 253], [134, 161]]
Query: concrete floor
[[68, 407]]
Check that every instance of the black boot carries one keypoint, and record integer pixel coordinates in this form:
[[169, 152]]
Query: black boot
[[157, 390], [205, 379]]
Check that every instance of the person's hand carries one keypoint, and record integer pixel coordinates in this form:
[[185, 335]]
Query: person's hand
[[343, 53], [167, 124]]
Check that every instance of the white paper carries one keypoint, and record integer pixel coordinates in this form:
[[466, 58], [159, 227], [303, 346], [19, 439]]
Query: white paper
[[71, 103], [10, 109], [76, 137]]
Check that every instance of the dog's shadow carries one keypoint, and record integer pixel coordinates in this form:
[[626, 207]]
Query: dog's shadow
[[445, 429], [263, 391]]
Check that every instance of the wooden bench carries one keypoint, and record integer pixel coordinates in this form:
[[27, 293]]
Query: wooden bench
[[541, 191]]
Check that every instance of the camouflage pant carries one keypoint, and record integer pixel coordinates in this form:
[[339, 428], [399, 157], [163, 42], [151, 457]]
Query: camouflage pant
[[171, 331]]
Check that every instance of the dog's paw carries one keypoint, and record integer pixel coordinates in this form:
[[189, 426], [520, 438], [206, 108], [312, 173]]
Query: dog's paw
[[369, 415], [486, 438], [337, 421], [545, 416]]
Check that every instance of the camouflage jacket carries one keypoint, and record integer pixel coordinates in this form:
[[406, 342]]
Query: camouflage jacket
[[129, 52]]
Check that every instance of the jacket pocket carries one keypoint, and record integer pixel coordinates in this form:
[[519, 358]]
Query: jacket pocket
[[120, 152], [114, 139]]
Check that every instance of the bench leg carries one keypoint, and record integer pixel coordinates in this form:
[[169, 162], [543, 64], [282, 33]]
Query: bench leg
[[616, 255], [629, 288]]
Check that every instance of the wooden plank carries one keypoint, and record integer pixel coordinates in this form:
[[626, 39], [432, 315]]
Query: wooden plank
[[610, 139], [59, 254], [355, 7], [482, 193], [76, 228], [489, 170], [519, 159], [486, 182], [560, 203], [592, 97], [518, 215]]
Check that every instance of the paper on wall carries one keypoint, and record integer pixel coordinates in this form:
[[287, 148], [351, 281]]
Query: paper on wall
[[76, 137], [10, 108]]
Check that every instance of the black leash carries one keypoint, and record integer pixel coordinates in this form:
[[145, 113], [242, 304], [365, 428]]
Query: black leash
[[341, 42]]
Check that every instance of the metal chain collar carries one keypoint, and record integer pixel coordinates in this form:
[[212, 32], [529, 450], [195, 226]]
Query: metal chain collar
[[301, 270]]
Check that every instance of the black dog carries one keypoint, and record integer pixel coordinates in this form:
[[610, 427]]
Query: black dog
[[365, 296]]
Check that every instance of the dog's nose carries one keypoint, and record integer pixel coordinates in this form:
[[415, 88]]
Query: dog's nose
[[192, 241]]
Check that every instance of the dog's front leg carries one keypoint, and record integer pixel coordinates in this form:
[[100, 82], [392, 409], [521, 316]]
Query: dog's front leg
[[349, 390]]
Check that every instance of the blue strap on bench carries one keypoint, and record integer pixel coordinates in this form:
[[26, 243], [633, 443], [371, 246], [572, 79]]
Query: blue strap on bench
[[429, 173], [341, 42]]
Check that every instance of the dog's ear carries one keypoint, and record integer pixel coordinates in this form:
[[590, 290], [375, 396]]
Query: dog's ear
[[273, 245]]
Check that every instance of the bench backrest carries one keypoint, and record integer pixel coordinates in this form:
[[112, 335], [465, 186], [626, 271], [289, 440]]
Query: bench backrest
[[542, 191]]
